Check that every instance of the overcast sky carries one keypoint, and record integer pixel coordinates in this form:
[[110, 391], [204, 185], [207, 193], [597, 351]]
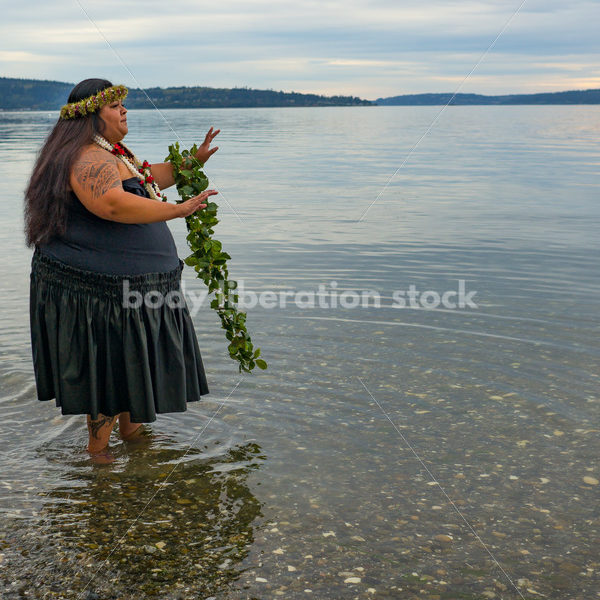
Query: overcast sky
[[367, 48]]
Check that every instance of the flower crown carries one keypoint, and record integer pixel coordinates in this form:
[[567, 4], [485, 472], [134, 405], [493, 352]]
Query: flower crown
[[93, 103]]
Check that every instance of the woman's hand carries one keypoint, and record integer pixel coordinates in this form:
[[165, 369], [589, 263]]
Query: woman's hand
[[205, 151], [194, 204]]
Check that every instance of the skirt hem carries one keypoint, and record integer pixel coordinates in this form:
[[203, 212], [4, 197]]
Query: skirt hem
[[73, 414]]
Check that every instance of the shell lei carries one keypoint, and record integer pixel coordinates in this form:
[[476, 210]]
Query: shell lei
[[141, 170]]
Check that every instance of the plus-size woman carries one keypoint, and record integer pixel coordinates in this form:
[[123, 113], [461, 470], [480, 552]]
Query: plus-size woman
[[96, 220]]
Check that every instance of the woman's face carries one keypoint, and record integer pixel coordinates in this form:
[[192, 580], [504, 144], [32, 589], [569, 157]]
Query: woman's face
[[115, 121]]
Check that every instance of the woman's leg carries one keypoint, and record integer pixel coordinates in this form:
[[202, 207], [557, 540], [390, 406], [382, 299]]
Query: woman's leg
[[99, 430], [127, 429]]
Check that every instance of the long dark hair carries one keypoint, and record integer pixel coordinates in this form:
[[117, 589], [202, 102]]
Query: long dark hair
[[47, 196]]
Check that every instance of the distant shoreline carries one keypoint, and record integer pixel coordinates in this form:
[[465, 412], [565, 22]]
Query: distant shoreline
[[39, 95], [371, 105], [544, 99]]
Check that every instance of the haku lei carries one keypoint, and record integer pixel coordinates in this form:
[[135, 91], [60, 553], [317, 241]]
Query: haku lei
[[141, 170], [93, 103]]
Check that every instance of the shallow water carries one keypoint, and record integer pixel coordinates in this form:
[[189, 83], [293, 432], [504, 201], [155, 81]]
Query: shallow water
[[387, 452]]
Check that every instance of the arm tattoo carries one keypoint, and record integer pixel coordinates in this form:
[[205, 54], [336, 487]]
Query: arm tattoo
[[100, 422], [96, 172]]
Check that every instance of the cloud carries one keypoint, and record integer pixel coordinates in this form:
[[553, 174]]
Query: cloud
[[369, 48]]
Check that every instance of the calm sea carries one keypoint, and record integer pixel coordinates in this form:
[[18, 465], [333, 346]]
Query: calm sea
[[425, 451]]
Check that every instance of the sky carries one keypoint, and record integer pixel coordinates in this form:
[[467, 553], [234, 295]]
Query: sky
[[366, 48]]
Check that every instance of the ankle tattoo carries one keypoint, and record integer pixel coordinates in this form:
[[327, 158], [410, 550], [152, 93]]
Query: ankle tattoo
[[96, 425]]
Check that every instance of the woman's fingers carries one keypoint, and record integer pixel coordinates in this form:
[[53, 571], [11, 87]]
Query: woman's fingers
[[196, 203], [206, 193], [211, 135]]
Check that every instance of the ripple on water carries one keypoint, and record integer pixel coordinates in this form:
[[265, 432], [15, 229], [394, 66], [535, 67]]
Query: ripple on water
[[306, 479]]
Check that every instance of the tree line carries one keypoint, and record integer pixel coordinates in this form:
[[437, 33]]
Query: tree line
[[33, 94]]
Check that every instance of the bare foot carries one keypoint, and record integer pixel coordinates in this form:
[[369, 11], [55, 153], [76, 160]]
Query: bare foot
[[134, 434], [101, 457]]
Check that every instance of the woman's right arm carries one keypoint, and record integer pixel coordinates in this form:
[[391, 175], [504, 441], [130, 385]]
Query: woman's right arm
[[96, 181]]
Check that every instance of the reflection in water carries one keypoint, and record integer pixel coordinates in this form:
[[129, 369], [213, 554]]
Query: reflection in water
[[143, 527], [500, 402]]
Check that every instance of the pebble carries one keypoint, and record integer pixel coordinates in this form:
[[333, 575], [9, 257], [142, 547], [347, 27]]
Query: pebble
[[590, 480], [329, 533], [291, 568], [352, 580], [261, 580], [446, 539]]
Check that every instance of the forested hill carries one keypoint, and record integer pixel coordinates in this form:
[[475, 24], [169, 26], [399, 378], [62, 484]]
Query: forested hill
[[572, 97], [33, 94]]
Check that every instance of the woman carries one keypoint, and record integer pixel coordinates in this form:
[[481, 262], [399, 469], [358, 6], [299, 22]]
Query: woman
[[100, 239]]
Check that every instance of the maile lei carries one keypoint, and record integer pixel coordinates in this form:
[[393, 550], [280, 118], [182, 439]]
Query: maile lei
[[207, 258]]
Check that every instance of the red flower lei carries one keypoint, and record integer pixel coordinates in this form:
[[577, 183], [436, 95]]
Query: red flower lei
[[144, 170]]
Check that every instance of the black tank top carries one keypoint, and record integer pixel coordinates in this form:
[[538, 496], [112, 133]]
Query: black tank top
[[96, 244]]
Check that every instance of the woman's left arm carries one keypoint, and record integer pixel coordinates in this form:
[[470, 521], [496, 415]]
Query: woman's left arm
[[163, 172]]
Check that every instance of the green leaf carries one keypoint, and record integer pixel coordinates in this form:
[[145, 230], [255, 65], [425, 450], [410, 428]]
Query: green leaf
[[186, 190], [209, 260]]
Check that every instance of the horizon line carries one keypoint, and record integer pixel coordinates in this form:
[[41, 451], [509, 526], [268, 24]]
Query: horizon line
[[245, 87]]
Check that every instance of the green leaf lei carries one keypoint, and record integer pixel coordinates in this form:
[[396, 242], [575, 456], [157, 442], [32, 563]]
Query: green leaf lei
[[209, 260]]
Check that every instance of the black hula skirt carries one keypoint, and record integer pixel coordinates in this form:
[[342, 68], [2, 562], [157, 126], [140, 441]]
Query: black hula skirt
[[100, 348]]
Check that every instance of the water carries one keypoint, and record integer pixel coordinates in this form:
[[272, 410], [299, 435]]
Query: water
[[387, 452]]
